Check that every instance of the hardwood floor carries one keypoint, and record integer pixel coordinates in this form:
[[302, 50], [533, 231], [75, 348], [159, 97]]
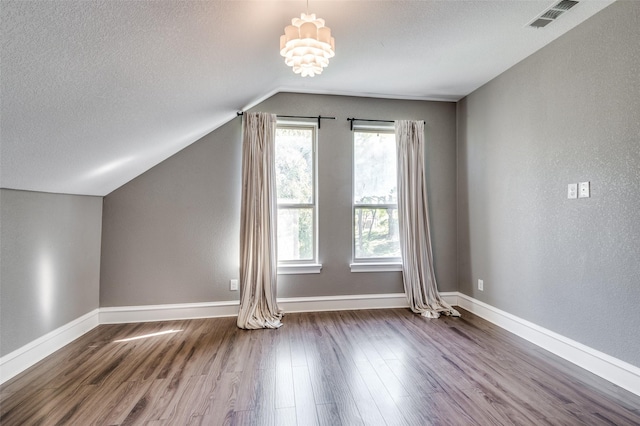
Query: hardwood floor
[[350, 367]]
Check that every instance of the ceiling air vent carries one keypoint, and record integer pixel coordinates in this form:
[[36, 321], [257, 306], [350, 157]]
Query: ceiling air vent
[[551, 14], [539, 23], [565, 5]]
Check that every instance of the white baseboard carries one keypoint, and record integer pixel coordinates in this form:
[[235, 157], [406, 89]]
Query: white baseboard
[[353, 302], [342, 303], [618, 372], [612, 369], [148, 313], [22, 358], [124, 314]]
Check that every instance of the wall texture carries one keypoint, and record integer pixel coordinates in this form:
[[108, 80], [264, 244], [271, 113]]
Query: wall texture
[[569, 113], [50, 270], [172, 234]]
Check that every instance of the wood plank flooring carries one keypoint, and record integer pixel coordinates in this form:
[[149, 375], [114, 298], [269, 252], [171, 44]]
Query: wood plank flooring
[[380, 367]]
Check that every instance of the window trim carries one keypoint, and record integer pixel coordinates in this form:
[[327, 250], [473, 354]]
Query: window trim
[[299, 269], [376, 267], [303, 266], [369, 264]]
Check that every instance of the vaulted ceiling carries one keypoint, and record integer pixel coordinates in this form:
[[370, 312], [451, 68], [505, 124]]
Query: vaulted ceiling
[[94, 93]]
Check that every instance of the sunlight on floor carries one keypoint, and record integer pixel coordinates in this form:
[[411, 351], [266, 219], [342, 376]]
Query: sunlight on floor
[[144, 336]]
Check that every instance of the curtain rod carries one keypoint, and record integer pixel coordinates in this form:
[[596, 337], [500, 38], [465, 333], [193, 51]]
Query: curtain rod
[[351, 120], [319, 117]]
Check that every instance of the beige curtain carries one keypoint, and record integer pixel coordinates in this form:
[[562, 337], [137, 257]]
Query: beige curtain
[[258, 262], [413, 214]]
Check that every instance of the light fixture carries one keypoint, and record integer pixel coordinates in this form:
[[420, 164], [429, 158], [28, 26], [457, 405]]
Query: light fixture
[[307, 45]]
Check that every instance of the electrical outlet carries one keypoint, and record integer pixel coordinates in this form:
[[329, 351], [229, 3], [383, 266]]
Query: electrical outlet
[[233, 285], [572, 191], [481, 285], [584, 190]]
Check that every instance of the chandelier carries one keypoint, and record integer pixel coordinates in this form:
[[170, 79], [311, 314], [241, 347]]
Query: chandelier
[[307, 45]]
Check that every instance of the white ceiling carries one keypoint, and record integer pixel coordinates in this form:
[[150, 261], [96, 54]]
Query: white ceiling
[[94, 93]]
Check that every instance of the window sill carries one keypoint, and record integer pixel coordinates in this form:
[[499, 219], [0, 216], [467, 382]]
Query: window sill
[[308, 268], [376, 267]]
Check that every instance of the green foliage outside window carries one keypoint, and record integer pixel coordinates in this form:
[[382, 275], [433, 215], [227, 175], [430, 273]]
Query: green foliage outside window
[[294, 180], [375, 196]]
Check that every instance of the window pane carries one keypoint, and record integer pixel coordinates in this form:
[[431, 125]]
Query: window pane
[[374, 168], [295, 234], [376, 232], [294, 165]]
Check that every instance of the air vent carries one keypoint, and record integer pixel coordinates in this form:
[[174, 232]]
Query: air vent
[[539, 23], [565, 5], [552, 13]]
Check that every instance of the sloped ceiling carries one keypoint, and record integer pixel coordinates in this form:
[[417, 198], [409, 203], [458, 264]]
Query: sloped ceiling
[[94, 93]]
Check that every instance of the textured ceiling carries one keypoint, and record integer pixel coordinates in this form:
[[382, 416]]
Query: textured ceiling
[[94, 93]]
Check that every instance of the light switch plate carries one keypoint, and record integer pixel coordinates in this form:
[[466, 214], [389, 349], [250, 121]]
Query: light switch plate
[[584, 190], [572, 191]]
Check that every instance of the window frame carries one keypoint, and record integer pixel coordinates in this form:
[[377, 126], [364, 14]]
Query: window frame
[[303, 266], [369, 264]]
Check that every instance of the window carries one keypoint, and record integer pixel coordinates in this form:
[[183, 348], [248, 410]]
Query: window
[[296, 192], [375, 204]]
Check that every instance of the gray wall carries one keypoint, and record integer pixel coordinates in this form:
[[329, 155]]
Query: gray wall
[[50, 270], [569, 113], [172, 234]]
